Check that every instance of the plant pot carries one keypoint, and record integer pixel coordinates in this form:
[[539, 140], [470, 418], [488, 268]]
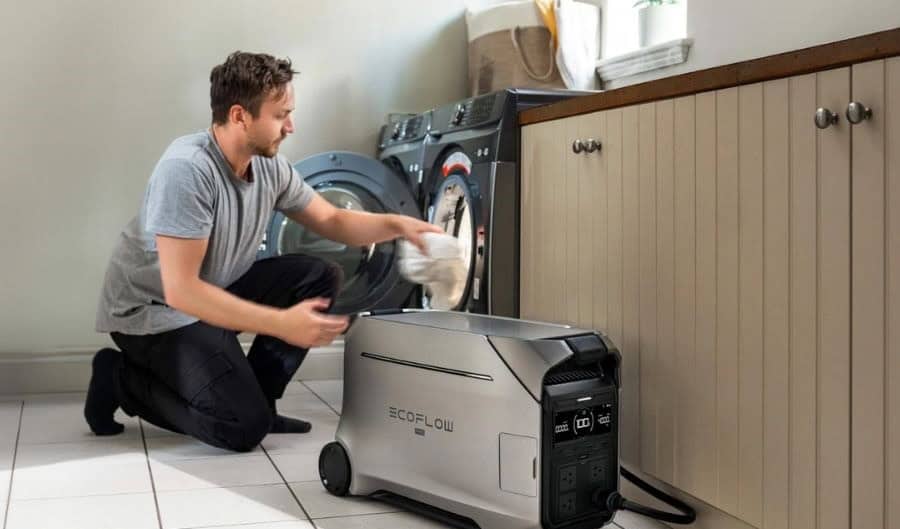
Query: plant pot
[[661, 23]]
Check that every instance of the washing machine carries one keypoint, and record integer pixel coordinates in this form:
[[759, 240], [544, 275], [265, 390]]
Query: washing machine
[[401, 147], [471, 188], [389, 183]]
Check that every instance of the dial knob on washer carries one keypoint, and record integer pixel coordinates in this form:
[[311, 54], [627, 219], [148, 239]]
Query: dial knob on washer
[[458, 114]]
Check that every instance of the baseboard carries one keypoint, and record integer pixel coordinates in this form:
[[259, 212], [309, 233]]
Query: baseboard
[[70, 370]]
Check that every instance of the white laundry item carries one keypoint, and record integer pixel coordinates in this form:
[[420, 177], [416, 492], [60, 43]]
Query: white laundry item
[[442, 270], [578, 33]]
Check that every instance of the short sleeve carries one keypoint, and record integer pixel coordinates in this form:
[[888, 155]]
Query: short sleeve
[[179, 203], [295, 193]]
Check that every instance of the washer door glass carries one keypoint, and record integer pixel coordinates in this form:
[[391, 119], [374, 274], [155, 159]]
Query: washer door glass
[[363, 267], [451, 210]]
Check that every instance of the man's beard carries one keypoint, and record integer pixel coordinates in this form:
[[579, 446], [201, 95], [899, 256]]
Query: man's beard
[[266, 151]]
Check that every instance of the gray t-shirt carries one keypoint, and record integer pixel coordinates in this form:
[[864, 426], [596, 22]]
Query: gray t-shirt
[[193, 193]]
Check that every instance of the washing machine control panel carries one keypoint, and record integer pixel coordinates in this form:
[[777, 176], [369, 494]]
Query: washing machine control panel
[[404, 130], [469, 113]]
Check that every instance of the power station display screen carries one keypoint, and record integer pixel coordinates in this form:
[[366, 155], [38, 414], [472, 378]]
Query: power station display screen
[[574, 424]]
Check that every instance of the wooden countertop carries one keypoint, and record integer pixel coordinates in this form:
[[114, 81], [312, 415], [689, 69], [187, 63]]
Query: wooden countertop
[[826, 56]]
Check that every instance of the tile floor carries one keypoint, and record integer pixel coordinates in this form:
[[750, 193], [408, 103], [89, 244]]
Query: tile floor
[[55, 474]]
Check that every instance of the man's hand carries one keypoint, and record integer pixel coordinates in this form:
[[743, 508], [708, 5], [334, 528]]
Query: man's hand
[[412, 230], [305, 325]]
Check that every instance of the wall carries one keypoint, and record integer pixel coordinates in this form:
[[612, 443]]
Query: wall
[[94, 90], [734, 31]]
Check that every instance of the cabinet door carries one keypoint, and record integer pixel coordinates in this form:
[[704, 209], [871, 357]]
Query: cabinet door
[[542, 230], [734, 302], [876, 298], [711, 240]]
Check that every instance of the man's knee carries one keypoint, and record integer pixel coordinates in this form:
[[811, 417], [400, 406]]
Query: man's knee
[[249, 430]]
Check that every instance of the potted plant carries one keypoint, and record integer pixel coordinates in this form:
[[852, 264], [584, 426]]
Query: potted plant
[[660, 21]]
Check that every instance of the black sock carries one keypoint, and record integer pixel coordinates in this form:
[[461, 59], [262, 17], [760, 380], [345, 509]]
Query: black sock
[[282, 424], [102, 403]]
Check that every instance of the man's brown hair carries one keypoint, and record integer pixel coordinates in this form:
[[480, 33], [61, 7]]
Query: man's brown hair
[[246, 79]]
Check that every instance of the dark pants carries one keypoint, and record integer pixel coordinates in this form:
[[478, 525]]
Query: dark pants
[[196, 380]]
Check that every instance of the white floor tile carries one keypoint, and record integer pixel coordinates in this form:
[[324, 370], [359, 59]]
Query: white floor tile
[[135, 511], [7, 451], [303, 466], [9, 421], [108, 450], [322, 433], [237, 505], [4, 486], [60, 418], [398, 520], [76, 479], [214, 472], [181, 447], [332, 391], [60, 470], [295, 387], [319, 503]]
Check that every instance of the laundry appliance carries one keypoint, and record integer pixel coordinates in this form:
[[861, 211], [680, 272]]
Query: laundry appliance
[[386, 184], [471, 188]]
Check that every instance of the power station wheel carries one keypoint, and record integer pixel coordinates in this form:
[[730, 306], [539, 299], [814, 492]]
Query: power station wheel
[[334, 469]]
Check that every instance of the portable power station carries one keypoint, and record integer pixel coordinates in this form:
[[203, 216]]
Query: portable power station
[[482, 422]]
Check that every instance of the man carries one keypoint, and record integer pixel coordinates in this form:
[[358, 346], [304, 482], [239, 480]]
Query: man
[[182, 281]]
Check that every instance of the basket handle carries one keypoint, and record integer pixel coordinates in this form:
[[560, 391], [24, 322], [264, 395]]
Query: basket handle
[[514, 35]]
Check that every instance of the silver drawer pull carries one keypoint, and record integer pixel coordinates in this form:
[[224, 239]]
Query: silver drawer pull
[[858, 112]]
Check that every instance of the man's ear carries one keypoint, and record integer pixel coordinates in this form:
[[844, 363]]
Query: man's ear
[[238, 115]]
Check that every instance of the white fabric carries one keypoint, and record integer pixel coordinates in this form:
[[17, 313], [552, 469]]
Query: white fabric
[[442, 271], [578, 27]]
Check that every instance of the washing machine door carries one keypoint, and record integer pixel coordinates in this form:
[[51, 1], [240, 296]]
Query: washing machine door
[[356, 182], [453, 207]]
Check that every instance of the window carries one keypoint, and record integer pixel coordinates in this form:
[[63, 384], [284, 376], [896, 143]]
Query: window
[[627, 28]]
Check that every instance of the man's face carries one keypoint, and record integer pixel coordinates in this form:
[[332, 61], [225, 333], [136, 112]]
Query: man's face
[[266, 132]]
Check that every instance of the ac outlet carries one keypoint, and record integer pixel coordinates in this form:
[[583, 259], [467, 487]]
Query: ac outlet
[[566, 505], [567, 478], [597, 470]]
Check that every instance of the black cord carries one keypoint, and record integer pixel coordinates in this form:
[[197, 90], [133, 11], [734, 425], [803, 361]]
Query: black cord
[[616, 501]]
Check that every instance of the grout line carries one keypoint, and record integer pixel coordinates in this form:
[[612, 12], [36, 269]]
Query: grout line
[[12, 468], [150, 471], [286, 484], [320, 397]]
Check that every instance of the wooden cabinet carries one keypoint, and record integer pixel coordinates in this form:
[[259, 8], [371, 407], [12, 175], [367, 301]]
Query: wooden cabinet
[[747, 264]]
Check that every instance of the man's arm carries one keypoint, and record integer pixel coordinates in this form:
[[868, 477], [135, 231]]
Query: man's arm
[[184, 290], [360, 228]]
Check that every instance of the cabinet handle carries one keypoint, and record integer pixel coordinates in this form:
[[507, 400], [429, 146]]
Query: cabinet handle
[[858, 112], [577, 146], [825, 118], [591, 145]]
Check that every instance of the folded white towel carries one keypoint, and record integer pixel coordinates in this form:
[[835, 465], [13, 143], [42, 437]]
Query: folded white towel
[[442, 270]]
